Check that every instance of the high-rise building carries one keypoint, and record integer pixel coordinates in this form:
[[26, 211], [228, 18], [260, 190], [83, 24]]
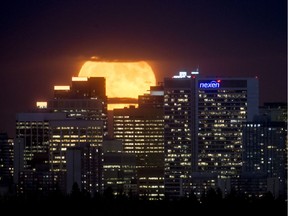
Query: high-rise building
[[71, 133], [179, 134], [31, 152], [203, 127], [265, 153], [84, 99], [75, 120], [87, 135], [141, 131], [41, 143], [119, 168], [32, 133], [84, 167], [224, 104], [6, 160]]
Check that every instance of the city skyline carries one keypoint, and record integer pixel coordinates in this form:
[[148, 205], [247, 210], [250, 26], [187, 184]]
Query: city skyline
[[200, 141], [44, 44], [191, 127]]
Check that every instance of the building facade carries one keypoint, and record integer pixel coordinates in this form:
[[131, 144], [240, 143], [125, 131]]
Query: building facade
[[84, 99], [265, 153], [119, 169], [84, 137], [141, 132], [41, 144], [6, 160], [203, 127]]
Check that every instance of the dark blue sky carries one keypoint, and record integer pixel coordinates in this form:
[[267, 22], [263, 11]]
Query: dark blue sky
[[44, 43]]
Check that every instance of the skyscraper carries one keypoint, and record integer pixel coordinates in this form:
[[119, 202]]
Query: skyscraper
[[141, 131], [76, 117], [265, 152], [119, 168], [31, 151], [87, 135], [224, 104], [6, 160], [32, 132], [179, 135], [84, 167], [203, 127], [84, 99]]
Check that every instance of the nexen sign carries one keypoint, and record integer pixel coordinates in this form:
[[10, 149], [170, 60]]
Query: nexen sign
[[211, 84]]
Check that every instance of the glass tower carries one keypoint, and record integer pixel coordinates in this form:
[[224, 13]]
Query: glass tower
[[203, 127]]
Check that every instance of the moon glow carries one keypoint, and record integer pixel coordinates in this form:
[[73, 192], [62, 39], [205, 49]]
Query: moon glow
[[123, 79]]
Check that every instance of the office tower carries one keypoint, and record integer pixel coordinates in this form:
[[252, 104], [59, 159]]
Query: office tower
[[119, 169], [84, 167], [42, 140], [31, 152], [141, 131], [92, 87], [32, 132], [203, 127], [84, 99], [75, 120], [82, 87], [179, 135], [6, 160], [223, 105], [85, 134], [265, 153]]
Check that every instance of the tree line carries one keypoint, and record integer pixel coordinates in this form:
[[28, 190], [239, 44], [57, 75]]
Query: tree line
[[212, 202]]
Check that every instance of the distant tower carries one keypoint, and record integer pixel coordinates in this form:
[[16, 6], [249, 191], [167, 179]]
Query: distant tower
[[6, 160], [275, 111], [265, 151]]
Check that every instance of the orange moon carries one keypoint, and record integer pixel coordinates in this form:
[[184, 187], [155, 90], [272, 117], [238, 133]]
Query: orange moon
[[123, 79]]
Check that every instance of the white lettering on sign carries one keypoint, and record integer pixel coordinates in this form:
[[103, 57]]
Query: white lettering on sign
[[212, 84]]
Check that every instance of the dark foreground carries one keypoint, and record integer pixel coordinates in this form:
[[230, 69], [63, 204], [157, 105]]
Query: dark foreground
[[126, 207]]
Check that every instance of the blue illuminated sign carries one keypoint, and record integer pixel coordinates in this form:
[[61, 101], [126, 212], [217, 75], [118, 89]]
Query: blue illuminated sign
[[210, 85]]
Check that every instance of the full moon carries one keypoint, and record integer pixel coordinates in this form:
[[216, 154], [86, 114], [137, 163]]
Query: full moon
[[123, 79]]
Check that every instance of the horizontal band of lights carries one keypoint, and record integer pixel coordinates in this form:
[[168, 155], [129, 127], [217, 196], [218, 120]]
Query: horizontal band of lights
[[41, 104], [184, 74], [61, 87], [79, 79]]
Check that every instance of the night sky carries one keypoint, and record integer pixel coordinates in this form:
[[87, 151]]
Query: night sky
[[44, 43]]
